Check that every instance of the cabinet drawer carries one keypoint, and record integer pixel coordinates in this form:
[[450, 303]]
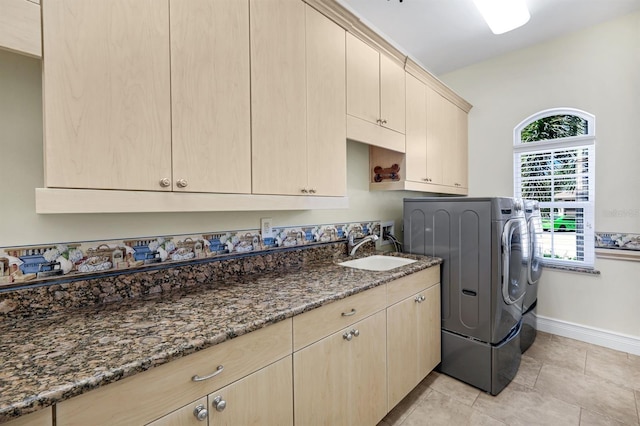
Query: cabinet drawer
[[411, 284], [149, 395], [321, 322]]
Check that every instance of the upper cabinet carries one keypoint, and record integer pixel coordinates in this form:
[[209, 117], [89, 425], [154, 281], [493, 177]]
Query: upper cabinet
[[297, 101], [159, 97], [375, 96], [436, 143], [106, 95], [128, 109], [210, 100], [20, 27], [326, 106], [227, 105]]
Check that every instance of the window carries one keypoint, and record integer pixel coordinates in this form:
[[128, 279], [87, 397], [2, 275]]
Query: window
[[554, 163]]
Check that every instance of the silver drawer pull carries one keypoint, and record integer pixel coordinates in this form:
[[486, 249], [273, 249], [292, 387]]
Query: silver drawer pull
[[348, 314], [197, 378]]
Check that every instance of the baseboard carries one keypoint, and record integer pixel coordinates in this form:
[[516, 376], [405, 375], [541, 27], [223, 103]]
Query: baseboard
[[596, 336]]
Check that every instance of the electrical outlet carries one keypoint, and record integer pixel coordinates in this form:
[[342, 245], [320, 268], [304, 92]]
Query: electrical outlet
[[266, 228], [386, 227]]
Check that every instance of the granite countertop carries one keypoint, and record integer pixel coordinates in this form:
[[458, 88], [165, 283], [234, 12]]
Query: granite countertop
[[48, 359]]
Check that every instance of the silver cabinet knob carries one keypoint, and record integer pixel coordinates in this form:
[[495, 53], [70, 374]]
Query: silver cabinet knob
[[182, 183], [420, 299], [347, 336], [165, 182], [384, 121], [201, 413], [355, 332], [312, 191], [219, 404], [304, 190]]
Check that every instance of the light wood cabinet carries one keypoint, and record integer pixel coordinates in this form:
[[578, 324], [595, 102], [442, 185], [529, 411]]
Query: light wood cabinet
[[262, 398], [42, 417], [341, 380], [120, 114], [210, 101], [20, 27], [152, 394], [297, 100], [436, 145], [413, 341], [185, 416], [375, 96], [326, 106], [106, 78], [416, 132]]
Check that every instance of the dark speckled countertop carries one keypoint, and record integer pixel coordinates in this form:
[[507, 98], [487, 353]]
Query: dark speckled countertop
[[50, 358]]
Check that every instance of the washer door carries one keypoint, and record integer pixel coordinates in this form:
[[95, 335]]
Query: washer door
[[535, 253], [514, 259]]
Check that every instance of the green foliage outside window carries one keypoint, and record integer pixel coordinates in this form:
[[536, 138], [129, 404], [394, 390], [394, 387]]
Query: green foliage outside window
[[554, 127]]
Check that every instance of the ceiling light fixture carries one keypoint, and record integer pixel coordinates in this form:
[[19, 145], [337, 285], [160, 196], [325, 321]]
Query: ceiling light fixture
[[503, 15]]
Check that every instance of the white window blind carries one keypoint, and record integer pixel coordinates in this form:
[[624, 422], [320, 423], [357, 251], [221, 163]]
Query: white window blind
[[559, 173]]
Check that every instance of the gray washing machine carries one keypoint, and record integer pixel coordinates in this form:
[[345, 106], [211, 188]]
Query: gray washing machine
[[484, 246], [534, 271]]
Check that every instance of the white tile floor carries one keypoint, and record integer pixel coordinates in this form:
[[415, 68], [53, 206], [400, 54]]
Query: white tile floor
[[560, 382]]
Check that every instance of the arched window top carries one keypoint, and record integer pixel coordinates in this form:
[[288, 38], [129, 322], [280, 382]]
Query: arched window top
[[555, 125]]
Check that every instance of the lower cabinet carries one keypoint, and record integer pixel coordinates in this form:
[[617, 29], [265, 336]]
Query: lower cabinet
[[341, 379], [262, 398], [43, 417], [413, 341], [148, 396]]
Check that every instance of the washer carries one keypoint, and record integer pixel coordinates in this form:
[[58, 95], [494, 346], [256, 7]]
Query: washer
[[484, 246], [534, 271]]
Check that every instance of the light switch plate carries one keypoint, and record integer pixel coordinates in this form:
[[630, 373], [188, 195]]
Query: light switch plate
[[266, 227]]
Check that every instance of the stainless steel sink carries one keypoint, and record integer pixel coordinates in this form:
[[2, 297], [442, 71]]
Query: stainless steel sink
[[377, 263]]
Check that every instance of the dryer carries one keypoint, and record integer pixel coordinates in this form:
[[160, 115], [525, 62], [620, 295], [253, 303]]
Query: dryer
[[534, 271], [484, 246]]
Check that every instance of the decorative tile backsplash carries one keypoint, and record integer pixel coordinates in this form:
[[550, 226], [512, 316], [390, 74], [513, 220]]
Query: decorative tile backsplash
[[76, 260], [618, 241]]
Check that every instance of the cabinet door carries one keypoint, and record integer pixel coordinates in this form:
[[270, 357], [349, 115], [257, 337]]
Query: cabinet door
[[363, 80], [429, 334], [413, 341], [438, 136], [416, 131], [403, 348], [462, 149], [184, 416], [343, 382], [368, 371], [211, 123], [278, 104], [392, 94], [106, 94], [262, 398], [451, 119], [326, 105]]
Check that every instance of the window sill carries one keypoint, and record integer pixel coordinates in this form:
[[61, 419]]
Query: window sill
[[575, 269]]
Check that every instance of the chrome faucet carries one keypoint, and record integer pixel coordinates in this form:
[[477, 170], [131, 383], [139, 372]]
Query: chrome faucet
[[353, 246]]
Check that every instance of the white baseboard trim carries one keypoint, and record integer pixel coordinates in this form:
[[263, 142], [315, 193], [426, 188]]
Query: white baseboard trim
[[596, 336]]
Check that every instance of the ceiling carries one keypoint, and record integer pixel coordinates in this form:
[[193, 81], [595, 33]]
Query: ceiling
[[444, 35]]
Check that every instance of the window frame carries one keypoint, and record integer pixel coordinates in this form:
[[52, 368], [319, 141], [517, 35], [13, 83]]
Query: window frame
[[582, 141]]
